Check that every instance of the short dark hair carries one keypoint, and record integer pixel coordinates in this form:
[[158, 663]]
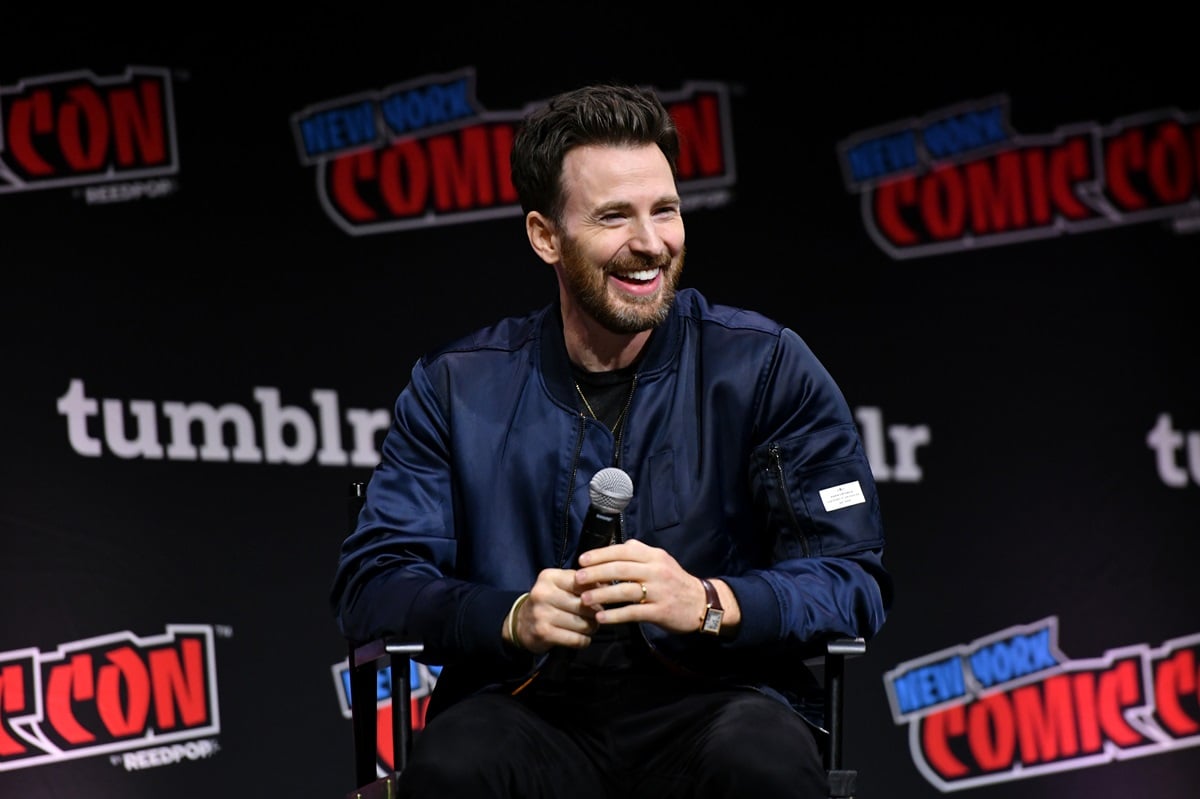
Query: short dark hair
[[605, 114]]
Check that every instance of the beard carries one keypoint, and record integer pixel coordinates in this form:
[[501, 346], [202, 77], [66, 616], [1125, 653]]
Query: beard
[[587, 282]]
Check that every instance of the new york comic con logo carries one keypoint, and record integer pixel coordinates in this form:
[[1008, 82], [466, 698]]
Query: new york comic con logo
[[961, 177], [426, 153], [1011, 706], [78, 129], [143, 701]]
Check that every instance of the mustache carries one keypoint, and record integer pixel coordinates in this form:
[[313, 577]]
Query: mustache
[[625, 264]]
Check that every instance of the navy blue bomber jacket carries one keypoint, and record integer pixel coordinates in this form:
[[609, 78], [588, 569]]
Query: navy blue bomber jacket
[[746, 464]]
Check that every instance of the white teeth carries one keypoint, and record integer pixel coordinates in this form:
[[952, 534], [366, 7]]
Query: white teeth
[[645, 274]]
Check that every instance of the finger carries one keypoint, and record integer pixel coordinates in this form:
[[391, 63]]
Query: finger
[[631, 550], [602, 574], [561, 611], [629, 612], [624, 592], [545, 625], [569, 629]]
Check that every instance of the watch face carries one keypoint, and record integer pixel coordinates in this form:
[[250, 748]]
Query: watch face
[[712, 621]]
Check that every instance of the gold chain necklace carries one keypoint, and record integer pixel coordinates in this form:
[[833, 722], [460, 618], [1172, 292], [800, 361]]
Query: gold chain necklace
[[588, 405]]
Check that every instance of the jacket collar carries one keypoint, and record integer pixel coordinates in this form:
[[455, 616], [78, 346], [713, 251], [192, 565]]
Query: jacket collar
[[659, 354]]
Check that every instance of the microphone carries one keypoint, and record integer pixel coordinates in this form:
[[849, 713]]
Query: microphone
[[610, 491]]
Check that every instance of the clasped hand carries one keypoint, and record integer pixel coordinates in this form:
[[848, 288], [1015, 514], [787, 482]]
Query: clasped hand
[[628, 582]]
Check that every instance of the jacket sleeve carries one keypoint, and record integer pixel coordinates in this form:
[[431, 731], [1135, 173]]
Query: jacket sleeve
[[812, 485], [395, 570]]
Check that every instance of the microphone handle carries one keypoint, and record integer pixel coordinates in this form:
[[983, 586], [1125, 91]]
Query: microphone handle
[[599, 530]]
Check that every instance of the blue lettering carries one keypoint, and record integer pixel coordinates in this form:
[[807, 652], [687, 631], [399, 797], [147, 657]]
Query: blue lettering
[[883, 155], [1040, 656], [414, 109], [991, 124], [338, 128], [968, 131], [901, 150], [866, 160], [930, 685], [1019, 656], [906, 694]]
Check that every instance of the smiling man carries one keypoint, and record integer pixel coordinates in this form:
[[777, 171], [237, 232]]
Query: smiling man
[[669, 663]]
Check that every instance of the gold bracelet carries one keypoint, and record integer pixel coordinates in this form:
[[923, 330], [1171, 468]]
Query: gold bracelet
[[512, 619]]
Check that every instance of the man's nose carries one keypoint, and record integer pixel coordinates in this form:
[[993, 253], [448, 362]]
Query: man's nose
[[646, 239]]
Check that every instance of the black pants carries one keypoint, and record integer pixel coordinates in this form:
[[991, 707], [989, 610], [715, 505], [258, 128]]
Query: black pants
[[727, 743]]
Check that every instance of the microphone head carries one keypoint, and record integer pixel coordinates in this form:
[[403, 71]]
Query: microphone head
[[611, 489]]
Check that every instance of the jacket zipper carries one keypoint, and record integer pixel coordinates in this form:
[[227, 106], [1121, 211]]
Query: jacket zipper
[[777, 463], [566, 512], [617, 448]]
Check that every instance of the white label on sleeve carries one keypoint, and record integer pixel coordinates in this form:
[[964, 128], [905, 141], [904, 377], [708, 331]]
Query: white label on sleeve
[[842, 496]]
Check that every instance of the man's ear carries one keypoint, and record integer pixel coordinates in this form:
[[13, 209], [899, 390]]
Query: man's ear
[[542, 237]]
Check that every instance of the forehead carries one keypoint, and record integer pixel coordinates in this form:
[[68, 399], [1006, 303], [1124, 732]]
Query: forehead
[[600, 174]]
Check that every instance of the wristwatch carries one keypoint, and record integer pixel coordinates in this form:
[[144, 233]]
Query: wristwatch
[[713, 612]]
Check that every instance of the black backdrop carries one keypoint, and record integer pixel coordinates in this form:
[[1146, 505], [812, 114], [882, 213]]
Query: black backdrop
[[1036, 367]]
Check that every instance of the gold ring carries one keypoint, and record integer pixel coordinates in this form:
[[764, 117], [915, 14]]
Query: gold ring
[[643, 599]]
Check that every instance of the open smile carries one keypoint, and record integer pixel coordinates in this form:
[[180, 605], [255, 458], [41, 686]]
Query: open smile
[[640, 276]]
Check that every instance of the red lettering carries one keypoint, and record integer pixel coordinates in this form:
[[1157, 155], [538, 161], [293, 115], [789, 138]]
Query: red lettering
[[139, 129], [383, 727], [383, 735], [83, 129], [1069, 165], [1062, 717], [699, 127], [462, 170], [991, 732], [1014, 190], [502, 139], [30, 116], [179, 684], [1036, 184], [404, 163], [889, 198], [344, 175], [1170, 164], [12, 702], [1176, 678], [68, 683], [1084, 684], [1152, 167], [123, 693], [447, 173], [1119, 690], [1046, 730], [997, 193], [87, 129], [936, 732], [943, 205], [468, 169], [1125, 154]]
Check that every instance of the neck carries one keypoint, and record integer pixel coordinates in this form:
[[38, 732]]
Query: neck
[[597, 349]]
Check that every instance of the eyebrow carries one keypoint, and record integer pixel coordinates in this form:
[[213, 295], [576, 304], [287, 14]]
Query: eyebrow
[[624, 205]]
